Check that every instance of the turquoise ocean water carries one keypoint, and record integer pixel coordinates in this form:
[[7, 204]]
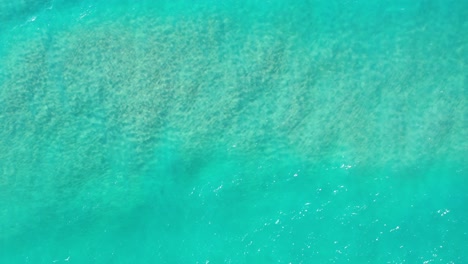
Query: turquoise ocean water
[[248, 131]]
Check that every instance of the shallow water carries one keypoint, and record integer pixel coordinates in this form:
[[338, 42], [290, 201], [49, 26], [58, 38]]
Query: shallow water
[[234, 132]]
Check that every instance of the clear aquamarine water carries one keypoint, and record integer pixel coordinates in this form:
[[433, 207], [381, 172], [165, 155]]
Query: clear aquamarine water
[[233, 131]]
